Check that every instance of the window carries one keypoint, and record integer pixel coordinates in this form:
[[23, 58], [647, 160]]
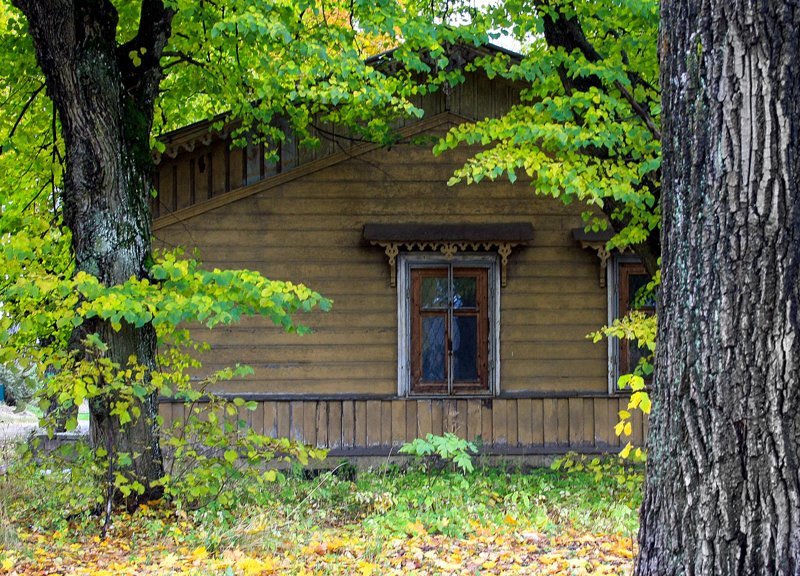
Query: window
[[448, 338], [628, 278]]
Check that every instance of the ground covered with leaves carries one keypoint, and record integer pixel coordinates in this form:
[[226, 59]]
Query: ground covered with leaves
[[492, 521]]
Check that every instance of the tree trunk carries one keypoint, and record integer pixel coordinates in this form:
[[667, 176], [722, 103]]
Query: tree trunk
[[722, 494], [105, 106]]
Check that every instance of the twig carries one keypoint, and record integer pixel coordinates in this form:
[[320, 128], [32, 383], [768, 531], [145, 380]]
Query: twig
[[110, 487], [53, 159], [25, 109], [180, 58], [639, 109]]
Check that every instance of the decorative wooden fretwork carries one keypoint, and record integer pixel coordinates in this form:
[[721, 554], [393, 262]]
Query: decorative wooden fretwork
[[449, 239], [596, 241]]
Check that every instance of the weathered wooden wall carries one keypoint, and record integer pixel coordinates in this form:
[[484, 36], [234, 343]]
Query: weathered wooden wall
[[503, 425], [308, 229], [302, 218]]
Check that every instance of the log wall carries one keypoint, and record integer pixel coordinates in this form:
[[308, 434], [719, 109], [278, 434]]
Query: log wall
[[301, 219]]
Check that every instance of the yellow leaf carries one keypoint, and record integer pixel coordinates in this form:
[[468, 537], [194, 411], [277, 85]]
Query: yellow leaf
[[254, 566], [366, 568], [415, 529], [510, 520], [200, 553], [8, 564], [549, 558], [489, 564], [625, 452]]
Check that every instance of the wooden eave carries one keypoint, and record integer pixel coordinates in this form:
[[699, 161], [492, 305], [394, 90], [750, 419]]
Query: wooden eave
[[475, 52], [303, 170], [188, 137], [415, 233]]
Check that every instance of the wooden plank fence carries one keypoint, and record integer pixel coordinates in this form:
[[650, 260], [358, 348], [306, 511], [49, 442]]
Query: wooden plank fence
[[366, 427]]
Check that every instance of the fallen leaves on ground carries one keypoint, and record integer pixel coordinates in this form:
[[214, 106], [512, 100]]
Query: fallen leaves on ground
[[501, 549]]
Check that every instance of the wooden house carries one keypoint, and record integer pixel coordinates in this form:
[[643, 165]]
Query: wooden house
[[456, 308]]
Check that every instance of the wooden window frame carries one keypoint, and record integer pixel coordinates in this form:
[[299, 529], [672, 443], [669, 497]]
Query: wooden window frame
[[619, 305], [488, 357], [450, 385]]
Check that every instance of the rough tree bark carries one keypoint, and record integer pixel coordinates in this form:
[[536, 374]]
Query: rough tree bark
[[105, 105], [723, 492]]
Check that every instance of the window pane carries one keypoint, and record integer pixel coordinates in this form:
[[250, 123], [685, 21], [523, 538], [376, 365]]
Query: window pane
[[465, 347], [433, 348], [464, 289], [434, 292], [635, 283]]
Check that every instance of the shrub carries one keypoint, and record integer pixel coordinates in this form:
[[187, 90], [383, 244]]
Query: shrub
[[448, 448]]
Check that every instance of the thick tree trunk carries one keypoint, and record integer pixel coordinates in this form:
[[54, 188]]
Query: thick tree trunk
[[106, 108], [723, 489]]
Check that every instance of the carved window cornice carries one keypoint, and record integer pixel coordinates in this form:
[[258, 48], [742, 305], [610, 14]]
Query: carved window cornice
[[449, 239], [597, 242]]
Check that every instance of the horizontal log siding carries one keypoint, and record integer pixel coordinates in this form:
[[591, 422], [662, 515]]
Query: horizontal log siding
[[309, 230], [500, 425]]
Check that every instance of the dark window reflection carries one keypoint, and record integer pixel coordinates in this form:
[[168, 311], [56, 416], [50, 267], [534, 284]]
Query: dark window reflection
[[465, 347], [433, 348]]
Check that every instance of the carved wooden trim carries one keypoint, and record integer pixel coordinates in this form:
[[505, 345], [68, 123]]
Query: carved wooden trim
[[596, 241], [448, 250], [603, 254]]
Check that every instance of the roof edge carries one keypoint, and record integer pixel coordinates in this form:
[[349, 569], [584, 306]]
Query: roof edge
[[303, 170], [186, 136]]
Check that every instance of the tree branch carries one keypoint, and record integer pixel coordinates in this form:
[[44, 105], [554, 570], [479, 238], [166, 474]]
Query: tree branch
[[180, 58], [567, 33], [639, 109], [155, 27], [23, 111]]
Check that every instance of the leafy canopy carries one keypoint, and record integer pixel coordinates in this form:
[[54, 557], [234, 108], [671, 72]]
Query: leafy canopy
[[587, 126]]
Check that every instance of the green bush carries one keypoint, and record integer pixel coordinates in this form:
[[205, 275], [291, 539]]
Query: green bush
[[448, 448]]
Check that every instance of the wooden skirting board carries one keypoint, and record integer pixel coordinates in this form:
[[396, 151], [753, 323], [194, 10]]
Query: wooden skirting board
[[502, 426]]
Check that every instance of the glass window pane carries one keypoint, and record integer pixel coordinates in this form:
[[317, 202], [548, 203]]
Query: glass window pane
[[434, 292], [464, 292], [465, 347], [433, 348], [637, 282]]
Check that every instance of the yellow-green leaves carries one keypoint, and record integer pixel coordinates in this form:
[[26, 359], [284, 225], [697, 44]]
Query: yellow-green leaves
[[43, 303], [578, 132]]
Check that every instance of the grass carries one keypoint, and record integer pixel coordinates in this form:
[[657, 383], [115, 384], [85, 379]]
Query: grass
[[388, 521]]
